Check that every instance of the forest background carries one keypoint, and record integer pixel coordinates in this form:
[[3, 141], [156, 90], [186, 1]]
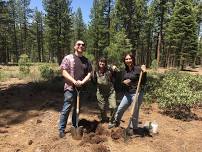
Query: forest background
[[165, 32], [160, 33]]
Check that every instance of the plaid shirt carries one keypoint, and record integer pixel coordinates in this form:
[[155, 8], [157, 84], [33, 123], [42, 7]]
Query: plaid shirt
[[68, 64]]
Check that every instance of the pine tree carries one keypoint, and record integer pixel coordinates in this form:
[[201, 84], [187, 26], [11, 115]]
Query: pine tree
[[4, 23], [93, 30], [13, 32], [78, 26], [38, 32], [24, 15], [58, 29], [130, 15], [198, 8], [124, 14], [118, 46], [149, 28], [99, 35], [182, 32]]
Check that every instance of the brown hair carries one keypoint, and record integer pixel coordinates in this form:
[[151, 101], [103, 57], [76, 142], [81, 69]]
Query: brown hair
[[102, 59], [132, 57]]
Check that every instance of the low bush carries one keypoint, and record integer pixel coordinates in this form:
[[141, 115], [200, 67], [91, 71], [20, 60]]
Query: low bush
[[46, 72], [179, 90], [153, 83], [154, 65], [1, 75], [175, 92], [24, 64]]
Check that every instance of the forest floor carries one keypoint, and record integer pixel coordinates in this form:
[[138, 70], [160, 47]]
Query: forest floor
[[29, 123]]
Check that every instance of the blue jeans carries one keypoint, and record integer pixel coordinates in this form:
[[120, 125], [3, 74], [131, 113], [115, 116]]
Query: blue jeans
[[123, 106], [69, 102]]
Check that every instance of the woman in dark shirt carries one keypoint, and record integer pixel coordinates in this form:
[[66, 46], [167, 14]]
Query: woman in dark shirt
[[130, 81]]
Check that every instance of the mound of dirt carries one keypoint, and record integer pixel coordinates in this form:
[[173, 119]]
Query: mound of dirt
[[89, 126], [100, 130], [100, 148], [117, 133], [99, 136], [29, 123]]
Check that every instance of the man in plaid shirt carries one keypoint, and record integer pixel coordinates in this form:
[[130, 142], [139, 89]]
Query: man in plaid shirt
[[76, 70]]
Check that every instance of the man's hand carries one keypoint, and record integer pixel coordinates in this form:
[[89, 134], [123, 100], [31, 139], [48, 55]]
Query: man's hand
[[78, 83]]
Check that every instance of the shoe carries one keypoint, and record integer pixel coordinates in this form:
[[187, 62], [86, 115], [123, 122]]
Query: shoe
[[130, 132], [111, 125], [104, 120], [114, 124], [61, 134]]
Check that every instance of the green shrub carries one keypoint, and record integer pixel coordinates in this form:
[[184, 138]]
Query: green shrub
[[153, 83], [176, 93], [1, 75], [24, 64], [178, 90], [46, 72], [154, 65]]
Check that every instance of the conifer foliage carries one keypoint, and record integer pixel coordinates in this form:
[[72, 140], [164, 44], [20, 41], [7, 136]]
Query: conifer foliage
[[182, 32], [165, 31]]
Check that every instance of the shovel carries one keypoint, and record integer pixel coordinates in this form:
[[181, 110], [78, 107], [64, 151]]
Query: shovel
[[77, 132], [127, 131]]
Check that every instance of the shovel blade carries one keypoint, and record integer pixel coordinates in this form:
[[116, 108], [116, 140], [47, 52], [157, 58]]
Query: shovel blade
[[77, 132], [127, 133]]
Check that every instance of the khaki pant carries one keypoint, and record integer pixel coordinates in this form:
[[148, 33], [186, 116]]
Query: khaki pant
[[106, 99]]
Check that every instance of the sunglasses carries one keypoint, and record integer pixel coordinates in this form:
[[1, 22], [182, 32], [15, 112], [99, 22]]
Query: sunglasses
[[128, 59], [78, 44]]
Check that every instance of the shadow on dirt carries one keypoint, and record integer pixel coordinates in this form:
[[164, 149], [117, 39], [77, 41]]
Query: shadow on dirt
[[89, 126], [94, 134], [20, 102], [24, 101], [142, 132], [182, 115], [119, 133], [189, 70]]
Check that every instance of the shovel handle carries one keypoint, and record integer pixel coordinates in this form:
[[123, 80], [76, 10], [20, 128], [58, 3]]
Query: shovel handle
[[77, 100], [136, 94], [133, 107]]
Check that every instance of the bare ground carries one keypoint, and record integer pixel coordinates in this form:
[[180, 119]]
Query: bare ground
[[29, 123]]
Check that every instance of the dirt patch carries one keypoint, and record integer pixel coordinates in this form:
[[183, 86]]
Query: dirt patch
[[100, 148], [89, 126], [92, 138], [101, 130], [29, 122], [99, 135], [117, 134], [182, 114]]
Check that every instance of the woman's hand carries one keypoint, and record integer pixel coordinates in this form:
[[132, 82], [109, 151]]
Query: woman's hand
[[114, 68], [143, 67], [127, 82]]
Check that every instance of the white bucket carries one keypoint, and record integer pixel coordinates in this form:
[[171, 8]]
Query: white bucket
[[154, 127]]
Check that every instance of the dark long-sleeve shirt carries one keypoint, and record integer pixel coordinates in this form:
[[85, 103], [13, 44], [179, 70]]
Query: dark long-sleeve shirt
[[133, 75]]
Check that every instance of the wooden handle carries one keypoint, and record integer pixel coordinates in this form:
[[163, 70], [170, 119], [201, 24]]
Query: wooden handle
[[77, 101], [136, 94]]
